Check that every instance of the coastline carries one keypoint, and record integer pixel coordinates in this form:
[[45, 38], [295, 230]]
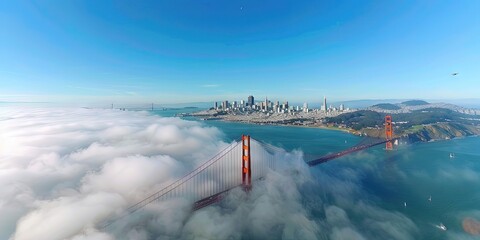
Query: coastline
[[425, 132], [324, 127], [411, 137]]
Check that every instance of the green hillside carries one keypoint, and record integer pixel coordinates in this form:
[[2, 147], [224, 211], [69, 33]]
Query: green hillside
[[387, 106], [415, 103]]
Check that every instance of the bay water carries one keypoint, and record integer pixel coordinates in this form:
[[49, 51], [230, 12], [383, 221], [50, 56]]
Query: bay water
[[397, 183]]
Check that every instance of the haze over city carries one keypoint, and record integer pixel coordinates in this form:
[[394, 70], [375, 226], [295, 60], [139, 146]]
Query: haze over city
[[199, 51]]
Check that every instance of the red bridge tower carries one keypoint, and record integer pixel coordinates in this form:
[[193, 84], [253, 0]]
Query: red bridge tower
[[246, 163], [388, 132]]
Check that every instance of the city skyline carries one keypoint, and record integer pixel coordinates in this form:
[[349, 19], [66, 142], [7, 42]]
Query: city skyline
[[276, 105], [239, 119], [173, 52]]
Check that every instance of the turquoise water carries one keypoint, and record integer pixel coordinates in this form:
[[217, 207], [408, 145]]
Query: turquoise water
[[383, 180], [414, 172], [312, 141]]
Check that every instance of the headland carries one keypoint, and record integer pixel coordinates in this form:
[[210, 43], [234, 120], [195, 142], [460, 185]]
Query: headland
[[414, 120]]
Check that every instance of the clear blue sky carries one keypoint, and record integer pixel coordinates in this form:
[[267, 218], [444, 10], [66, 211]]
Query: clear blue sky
[[201, 50]]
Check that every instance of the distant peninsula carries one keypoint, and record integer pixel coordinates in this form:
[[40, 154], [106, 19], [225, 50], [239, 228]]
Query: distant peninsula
[[414, 120]]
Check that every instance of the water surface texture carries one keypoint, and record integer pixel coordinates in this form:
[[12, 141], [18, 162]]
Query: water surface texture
[[392, 186]]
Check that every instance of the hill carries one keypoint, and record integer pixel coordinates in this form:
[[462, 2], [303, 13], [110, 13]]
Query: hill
[[386, 106], [418, 125], [415, 103]]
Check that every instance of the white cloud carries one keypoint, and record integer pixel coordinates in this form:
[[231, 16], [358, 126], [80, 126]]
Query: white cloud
[[62, 171], [63, 217]]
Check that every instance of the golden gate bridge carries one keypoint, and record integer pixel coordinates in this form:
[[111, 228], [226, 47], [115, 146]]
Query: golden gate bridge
[[238, 165]]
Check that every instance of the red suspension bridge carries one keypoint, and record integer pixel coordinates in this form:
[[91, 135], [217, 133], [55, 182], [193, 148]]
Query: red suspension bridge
[[230, 168]]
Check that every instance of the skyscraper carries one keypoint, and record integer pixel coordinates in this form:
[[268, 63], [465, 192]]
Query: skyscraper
[[250, 101], [225, 105], [324, 107]]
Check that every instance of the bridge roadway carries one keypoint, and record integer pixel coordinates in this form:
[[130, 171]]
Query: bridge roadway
[[217, 197], [332, 156], [210, 200]]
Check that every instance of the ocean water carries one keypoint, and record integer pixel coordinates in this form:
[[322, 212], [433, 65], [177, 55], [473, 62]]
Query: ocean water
[[312, 141], [382, 181]]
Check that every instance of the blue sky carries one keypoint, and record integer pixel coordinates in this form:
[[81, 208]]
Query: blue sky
[[190, 51]]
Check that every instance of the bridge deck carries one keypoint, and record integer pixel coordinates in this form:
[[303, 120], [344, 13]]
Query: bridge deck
[[332, 156], [220, 169]]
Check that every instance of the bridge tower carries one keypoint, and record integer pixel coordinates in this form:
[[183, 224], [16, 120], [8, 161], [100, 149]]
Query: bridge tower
[[246, 163], [388, 132]]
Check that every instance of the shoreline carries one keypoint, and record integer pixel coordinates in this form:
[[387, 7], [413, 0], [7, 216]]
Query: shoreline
[[426, 132], [351, 131], [345, 130]]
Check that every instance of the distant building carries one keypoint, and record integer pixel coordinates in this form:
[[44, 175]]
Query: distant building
[[242, 103], [224, 105], [324, 107], [215, 105], [342, 107], [250, 101], [305, 107]]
